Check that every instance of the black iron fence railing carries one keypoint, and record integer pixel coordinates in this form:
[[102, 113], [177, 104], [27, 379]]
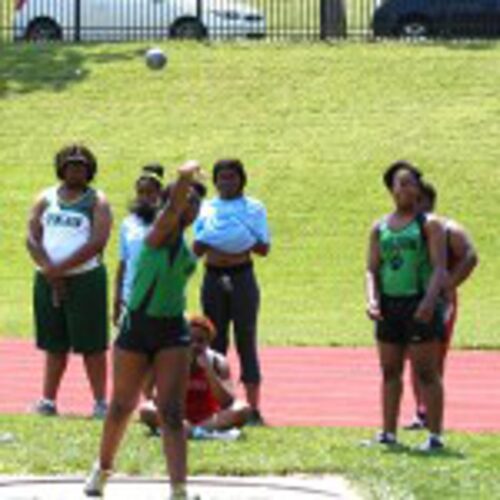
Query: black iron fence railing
[[117, 20]]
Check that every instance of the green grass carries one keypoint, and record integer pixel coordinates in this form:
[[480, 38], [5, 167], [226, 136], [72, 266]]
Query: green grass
[[316, 125], [467, 469]]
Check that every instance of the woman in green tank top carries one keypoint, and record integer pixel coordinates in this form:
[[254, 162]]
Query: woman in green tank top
[[405, 275], [154, 337]]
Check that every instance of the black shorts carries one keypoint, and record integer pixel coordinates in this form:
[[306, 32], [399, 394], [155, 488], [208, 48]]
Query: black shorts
[[148, 335], [399, 327]]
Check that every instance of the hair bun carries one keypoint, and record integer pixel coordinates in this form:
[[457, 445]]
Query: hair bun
[[154, 168]]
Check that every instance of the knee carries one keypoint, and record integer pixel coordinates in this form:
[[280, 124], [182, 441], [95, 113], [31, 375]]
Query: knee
[[243, 415], [391, 373], [427, 375], [172, 416], [120, 409]]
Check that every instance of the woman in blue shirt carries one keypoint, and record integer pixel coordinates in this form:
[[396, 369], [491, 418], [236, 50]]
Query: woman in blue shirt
[[133, 230], [231, 228]]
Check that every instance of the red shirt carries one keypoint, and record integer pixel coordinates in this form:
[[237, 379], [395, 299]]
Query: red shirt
[[200, 401]]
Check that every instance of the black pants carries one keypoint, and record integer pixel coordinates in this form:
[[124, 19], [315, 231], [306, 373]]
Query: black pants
[[231, 295]]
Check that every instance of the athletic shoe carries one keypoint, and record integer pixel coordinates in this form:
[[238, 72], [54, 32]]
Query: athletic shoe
[[199, 433], [384, 438], [418, 423], [255, 419], [433, 443], [7, 437], [100, 410], [45, 407], [96, 481], [180, 493]]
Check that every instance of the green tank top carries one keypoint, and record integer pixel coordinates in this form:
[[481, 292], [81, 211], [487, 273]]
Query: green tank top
[[160, 280], [405, 267]]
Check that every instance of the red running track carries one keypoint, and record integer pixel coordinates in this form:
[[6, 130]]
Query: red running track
[[306, 386]]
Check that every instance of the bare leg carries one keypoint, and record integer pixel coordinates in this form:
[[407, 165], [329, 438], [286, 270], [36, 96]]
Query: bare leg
[[96, 367], [234, 416], [55, 366], [417, 392], [425, 360], [391, 362], [129, 370], [171, 368]]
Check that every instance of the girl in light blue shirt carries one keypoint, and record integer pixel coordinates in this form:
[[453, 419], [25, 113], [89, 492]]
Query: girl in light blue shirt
[[133, 230], [230, 230]]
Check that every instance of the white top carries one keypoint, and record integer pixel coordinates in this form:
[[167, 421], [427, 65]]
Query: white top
[[67, 227], [133, 230], [232, 226]]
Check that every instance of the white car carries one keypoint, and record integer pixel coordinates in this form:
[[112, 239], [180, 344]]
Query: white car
[[114, 20]]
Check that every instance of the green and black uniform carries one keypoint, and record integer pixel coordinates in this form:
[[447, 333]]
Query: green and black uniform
[[154, 317], [78, 321], [404, 274]]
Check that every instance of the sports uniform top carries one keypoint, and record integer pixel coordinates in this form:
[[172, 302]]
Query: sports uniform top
[[133, 230], [405, 267], [67, 227], [160, 280], [232, 226], [200, 400]]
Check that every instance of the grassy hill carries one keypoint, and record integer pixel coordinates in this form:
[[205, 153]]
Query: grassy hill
[[316, 125]]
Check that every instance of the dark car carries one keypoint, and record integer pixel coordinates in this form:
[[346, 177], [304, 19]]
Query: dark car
[[438, 18]]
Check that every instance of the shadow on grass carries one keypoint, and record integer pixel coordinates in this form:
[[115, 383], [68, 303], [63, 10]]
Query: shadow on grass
[[27, 68], [446, 453]]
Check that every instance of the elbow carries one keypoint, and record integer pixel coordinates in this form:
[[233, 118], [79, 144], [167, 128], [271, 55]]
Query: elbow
[[473, 260], [153, 242], [198, 248], [262, 249]]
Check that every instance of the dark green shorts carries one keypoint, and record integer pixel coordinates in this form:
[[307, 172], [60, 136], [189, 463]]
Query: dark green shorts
[[80, 322], [399, 327]]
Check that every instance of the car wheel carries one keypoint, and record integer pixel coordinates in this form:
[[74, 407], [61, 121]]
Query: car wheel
[[43, 30], [414, 28], [188, 29]]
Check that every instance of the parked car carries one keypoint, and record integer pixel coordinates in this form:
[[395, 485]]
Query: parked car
[[438, 18], [113, 20]]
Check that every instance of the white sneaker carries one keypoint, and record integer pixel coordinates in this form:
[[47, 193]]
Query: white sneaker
[[96, 481], [201, 433], [182, 494]]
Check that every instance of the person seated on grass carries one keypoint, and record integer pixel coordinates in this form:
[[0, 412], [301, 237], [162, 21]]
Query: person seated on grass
[[211, 405]]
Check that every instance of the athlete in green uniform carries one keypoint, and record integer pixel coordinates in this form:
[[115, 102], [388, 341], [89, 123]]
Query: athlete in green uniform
[[154, 336], [68, 230], [405, 275]]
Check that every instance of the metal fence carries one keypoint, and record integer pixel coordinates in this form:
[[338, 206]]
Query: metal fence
[[126, 20], [117, 20]]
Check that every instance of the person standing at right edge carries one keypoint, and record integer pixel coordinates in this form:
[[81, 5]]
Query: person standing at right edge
[[230, 229], [406, 272]]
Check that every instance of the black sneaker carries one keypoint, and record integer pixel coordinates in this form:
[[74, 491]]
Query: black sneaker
[[255, 419]]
